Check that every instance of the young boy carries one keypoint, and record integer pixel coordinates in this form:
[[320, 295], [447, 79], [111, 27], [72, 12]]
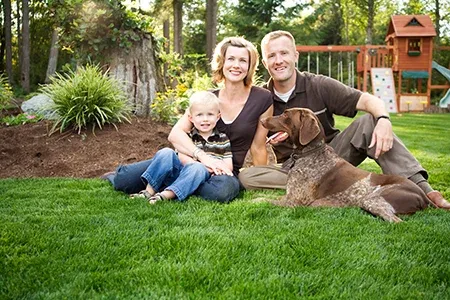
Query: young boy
[[171, 175]]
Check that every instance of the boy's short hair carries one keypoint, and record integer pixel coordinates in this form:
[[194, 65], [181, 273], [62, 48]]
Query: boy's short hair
[[203, 97], [218, 59]]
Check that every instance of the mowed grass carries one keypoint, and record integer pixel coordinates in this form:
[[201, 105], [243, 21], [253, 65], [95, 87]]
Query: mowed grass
[[73, 238]]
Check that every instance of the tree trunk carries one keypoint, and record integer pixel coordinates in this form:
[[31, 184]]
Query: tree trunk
[[8, 40], [370, 19], [211, 27], [25, 73], [2, 46], [140, 72], [178, 26], [19, 34], [437, 14], [53, 58], [166, 33]]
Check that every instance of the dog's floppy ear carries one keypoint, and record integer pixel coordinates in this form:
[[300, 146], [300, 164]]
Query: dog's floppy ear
[[309, 127]]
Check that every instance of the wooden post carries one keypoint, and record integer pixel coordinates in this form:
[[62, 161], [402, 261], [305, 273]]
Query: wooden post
[[430, 69], [366, 65], [399, 89]]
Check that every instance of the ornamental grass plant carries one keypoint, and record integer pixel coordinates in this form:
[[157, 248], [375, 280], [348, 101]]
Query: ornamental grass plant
[[87, 97]]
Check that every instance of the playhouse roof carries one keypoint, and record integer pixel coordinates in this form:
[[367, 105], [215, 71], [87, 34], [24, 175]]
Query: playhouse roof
[[411, 25]]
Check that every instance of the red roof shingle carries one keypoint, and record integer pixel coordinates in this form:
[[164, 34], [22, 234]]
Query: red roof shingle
[[401, 26]]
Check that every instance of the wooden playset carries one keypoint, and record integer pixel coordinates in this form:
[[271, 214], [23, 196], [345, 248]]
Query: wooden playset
[[400, 71]]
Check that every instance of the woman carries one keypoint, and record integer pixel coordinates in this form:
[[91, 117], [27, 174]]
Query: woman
[[242, 105]]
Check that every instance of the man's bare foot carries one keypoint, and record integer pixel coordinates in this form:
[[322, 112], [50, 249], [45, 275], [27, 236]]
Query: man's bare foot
[[437, 198]]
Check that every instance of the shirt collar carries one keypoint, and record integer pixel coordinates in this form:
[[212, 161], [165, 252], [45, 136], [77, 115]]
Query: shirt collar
[[195, 132], [300, 84]]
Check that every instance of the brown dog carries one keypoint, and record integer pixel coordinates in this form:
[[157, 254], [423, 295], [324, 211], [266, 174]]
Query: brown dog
[[319, 177]]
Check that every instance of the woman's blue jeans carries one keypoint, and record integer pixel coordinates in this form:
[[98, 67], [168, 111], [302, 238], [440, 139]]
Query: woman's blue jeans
[[133, 178]]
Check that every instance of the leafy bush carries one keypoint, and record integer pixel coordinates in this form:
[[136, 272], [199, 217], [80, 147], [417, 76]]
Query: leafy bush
[[171, 104], [20, 119], [94, 28], [87, 97], [6, 93]]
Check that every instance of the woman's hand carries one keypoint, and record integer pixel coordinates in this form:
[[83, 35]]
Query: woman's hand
[[215, 166], [258, 146]]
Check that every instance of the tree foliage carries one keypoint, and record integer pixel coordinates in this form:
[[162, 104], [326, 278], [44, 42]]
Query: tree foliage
[[96, 27], [90, 29]]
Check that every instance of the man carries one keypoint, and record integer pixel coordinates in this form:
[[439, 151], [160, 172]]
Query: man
[[368, 136]]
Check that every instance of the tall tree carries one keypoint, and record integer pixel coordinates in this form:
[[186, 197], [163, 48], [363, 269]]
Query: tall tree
[[252, 18], [367, 9], [437, 20], [8, 40], [53, 57], [19, 33], [414, 7], [326, 24], [370, 21], [178, 26], [25, 71], [166, 34], [2, 40], [211, 27]]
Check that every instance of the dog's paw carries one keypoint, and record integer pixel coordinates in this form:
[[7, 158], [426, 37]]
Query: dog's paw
[[394, 219]]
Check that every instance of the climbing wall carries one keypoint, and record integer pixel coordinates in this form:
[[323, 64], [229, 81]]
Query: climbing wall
[[384, 88]]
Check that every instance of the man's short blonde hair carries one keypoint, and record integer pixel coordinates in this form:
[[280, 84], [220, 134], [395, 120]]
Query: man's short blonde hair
[[203, 98], [220, 51], [274, 35]]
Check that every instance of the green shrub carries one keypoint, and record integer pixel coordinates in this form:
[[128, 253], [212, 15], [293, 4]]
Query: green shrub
[[87, 97], [170, 105], [6, 93], [20, 119]]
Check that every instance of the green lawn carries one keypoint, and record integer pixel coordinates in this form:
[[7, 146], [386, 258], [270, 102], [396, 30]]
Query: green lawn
[[70, 238]]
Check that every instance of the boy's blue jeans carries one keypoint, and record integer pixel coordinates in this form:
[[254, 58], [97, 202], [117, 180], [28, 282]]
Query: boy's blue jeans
[[222, 188]]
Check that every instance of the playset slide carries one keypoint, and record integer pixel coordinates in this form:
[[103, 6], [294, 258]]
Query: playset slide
[[445, 101]]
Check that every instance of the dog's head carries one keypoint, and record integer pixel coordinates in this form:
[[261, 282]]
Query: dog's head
[[301, 124]]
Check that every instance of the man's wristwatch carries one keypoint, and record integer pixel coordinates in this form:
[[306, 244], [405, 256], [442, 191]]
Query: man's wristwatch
[[383, 117]]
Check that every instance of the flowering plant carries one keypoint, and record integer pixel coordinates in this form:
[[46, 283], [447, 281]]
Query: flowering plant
[[20, 119]]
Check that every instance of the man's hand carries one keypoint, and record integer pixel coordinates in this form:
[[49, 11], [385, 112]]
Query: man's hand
[[382, 137]]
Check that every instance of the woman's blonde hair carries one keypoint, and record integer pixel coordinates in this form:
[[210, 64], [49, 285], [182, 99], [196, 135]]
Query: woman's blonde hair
[[218, 59]]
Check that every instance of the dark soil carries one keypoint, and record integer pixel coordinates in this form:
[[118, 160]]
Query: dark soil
[[28, 151]]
